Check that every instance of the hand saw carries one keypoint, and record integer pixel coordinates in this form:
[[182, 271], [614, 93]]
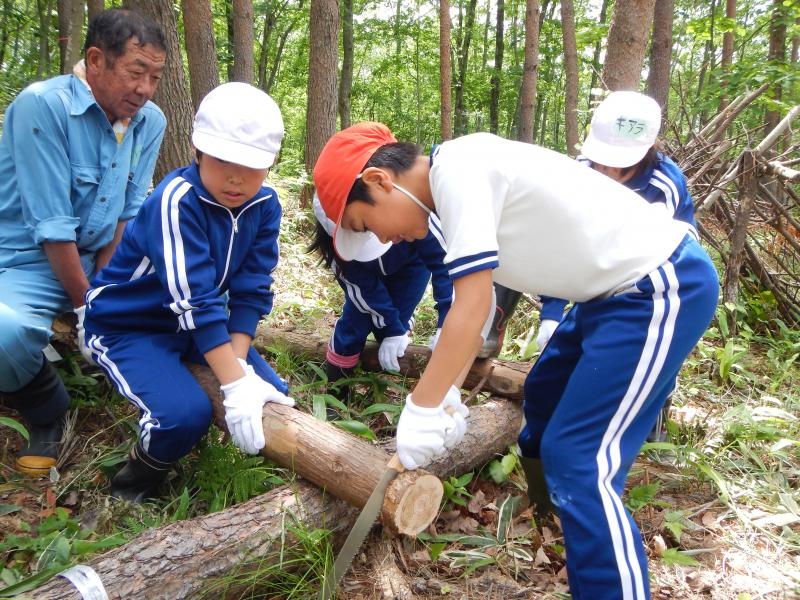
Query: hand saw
[[360, 529]]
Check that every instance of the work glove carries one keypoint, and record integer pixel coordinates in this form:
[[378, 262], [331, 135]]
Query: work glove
[[391, 349], [422, 433], [453, 406], [546, 329], [80, 312], [244, 403], [434, 339]]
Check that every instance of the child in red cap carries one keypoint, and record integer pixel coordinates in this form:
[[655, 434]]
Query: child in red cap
[[536, 221]]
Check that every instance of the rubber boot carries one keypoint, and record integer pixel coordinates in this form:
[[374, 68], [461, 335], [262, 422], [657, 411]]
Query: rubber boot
[[140, 478], [343, 391], [507, 300], [659, 432], [537, 487], [43, 404]]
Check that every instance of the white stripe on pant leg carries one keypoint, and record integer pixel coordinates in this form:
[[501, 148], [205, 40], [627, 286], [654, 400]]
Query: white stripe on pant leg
[[627, 563], [146, 422]]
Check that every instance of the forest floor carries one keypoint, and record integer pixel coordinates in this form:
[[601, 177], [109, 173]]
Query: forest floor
[[717, 505]]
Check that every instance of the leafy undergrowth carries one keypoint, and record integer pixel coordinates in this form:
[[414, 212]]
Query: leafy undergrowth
[[717, 504]]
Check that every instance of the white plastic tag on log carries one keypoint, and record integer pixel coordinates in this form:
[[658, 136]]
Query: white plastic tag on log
[[86, 581]]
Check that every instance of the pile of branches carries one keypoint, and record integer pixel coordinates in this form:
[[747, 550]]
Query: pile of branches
[[745, 188]]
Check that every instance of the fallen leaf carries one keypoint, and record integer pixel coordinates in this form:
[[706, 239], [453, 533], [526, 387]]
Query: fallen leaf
[[709, 519], [540, 558], [71, 499], [659, 546], [475, 503], [49, 497]]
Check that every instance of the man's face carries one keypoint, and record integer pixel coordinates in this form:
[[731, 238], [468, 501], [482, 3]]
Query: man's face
[[121, 86]]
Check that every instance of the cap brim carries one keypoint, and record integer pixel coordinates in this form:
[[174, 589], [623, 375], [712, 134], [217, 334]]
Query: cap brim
[[234, 152], [612, 156], [362, 246]]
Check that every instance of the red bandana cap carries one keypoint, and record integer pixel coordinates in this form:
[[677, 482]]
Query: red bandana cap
[[339, 164]]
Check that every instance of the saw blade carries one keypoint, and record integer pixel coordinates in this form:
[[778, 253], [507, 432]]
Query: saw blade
[[361, 528]]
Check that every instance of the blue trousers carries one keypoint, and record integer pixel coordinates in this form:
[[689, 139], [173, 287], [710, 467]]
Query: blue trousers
[[31, 296], [406, 288], [147, 368], [592, 398]]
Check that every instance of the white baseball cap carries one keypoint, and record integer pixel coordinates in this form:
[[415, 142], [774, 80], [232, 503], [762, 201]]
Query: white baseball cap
[[239, 123], [367, 247], [624, 127]]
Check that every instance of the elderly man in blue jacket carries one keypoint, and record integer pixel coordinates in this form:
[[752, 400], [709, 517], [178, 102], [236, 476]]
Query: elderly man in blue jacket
[[76, 158]]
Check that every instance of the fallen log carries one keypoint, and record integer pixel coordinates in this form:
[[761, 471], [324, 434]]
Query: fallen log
[[182, 559], [501, 377]]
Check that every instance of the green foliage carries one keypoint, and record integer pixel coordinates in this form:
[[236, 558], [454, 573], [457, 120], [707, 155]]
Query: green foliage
[[455, 489], [501, 468], [16, 426], [642, 495]]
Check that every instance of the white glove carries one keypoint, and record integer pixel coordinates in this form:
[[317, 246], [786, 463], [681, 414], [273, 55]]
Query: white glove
[[391, 349], [271, 392], [434, 339], [244, 403], [546, 329], [453, 406], [85, 350], [422, 433]]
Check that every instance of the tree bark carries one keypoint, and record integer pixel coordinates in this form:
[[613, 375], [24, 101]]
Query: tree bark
[[74, 48], [43, 8], [445, 72], [497, 72], [64, 9], [727, 52], [502, 377], [627, 42], [183, 558], [463, 59], [661, 56], [571, 76], [594, 89], [530, 69], [776, 54], [201, 49], [322, 98], [346, 79], [242, 41], [748, 183], [172, 95], [94, 7]]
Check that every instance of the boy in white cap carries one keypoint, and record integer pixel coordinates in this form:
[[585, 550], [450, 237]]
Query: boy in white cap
[[622, 144], [537, 221], [207, 230]]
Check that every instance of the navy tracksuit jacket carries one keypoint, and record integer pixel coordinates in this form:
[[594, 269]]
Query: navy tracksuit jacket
[[187, 273], [381, 295]]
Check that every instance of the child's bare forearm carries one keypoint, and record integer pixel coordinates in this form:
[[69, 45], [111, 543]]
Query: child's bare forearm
[[241, 344], [222, 361], [459, 341]]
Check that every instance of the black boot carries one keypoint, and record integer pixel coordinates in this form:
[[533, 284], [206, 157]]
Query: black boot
[[342, 391], [43, 404], [507, 300], [140, 478], [537, 487], [659, 432]]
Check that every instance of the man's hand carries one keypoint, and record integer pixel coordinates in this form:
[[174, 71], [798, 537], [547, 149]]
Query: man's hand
[[424, 433], [546, 329], [85, 350], [244, 403], [391, 349]]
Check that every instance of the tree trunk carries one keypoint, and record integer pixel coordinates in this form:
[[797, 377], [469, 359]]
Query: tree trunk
[[748, 186], [707, 66], [242, 41], [501, 377], [776, 54], [172, 95], [322, 98], [497, 72], [594, 89], [74, 48], [201, 49], [4, 31], [527, 92], [43, 9], [727, 52], [445, 72], [184, 558], [661, 56], [270, 17], [571, 76], [64, 9], [627, 42], [346, 79], [463, 59], [94, 7]]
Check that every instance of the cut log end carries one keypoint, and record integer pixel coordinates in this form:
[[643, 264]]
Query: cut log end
[[412, 502]]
